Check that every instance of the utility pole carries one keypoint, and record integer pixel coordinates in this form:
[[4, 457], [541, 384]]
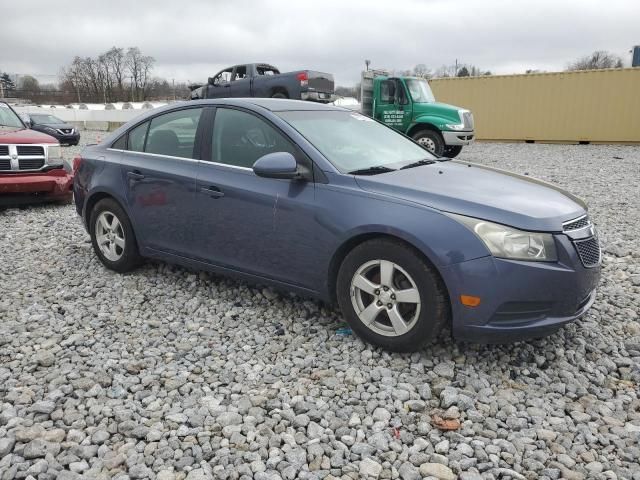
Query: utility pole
[[173, 83]]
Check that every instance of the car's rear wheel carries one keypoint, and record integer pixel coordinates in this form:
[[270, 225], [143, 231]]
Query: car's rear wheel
[[452, 151], [390, 296], [431, 140], [112, 236]]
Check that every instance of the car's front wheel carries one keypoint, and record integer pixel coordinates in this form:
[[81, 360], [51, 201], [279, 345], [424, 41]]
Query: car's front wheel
[[112, 236], [390, 296]]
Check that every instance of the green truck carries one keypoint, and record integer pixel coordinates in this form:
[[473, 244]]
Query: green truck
[[407, 104]]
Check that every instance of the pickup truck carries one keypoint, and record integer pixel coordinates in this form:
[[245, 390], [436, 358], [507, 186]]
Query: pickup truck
[[31, 164], [264, 80], [407, 104]]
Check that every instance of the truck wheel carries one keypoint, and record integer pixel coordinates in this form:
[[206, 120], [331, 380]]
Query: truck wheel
[[112, 236], [390, 296], [452, 151], [431, 140], [279, 95]]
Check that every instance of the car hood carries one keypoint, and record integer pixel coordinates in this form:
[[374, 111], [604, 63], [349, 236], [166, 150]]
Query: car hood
[[24, 136], [481, 192], [438, 109]]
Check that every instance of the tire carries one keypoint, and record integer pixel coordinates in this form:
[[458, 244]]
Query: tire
[[431, 140], [452, 151], [421, 320], [125, 256], [279, 95]]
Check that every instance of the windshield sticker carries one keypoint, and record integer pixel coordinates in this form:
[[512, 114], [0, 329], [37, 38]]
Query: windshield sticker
[[362, 118]]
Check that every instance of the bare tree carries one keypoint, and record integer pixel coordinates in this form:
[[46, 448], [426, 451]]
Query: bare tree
[[104, 78], [114, 62], [421, 70], [597, 60], [139, 67], [29, 86]]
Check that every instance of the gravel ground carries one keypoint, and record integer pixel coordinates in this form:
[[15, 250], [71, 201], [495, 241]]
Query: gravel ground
[[167, 373]]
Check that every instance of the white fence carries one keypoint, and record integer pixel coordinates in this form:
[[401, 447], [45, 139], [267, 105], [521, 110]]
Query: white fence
[[73, 115]]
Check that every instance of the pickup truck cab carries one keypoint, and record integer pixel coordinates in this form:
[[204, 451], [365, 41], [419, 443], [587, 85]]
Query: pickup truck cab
[[408, 105], [31, 164], [264, 80]]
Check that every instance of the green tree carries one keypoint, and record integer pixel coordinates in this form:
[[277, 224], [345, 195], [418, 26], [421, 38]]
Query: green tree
[[7, 85]]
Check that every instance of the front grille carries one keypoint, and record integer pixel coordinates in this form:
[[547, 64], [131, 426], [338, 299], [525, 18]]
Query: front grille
[[29, 157], [467, 119], [30, 150], [31, 163], [576, 224], [589, 251]]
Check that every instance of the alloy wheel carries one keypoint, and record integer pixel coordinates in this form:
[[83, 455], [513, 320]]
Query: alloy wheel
[[385, 298], [110, 236]]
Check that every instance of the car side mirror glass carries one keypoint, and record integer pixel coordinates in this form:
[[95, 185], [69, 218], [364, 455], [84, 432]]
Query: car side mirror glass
[[277, 165]]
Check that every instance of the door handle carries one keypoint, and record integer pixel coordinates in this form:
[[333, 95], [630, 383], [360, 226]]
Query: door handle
[[212, 191], [135, 175]]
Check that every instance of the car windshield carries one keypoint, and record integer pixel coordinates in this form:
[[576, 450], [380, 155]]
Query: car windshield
[[45, 119], [420, 91], [352, 141], [8, 118]]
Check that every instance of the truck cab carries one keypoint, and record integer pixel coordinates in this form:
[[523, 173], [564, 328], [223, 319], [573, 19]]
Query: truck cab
[[407, 104]]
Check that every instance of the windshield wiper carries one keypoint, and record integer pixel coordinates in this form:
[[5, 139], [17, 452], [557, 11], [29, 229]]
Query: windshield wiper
[[418, 163], [372, 170]]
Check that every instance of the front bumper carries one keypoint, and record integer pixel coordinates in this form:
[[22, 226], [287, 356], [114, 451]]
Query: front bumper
[[520, 300], [458, 137], [19, 188]]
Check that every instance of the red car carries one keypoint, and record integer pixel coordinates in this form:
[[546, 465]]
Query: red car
[[31, 164]]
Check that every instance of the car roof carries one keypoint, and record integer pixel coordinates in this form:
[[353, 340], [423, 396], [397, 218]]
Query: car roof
[[271, 104], [255, 104]]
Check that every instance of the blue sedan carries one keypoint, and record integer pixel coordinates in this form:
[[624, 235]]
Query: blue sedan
[[332, 204]]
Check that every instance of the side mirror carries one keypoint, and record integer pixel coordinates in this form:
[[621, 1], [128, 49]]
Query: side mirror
[[278, 165], [210, 81]]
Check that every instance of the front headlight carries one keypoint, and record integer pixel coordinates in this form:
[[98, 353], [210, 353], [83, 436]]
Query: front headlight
[[455, 126], [50, 130], [507, 242], [54, 155]]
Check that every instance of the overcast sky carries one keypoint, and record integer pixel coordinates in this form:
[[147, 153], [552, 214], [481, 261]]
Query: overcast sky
[[193, 39]]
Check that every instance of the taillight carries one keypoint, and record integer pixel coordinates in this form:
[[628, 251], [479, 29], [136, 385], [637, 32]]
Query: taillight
[[76, 163], [303, 78]]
